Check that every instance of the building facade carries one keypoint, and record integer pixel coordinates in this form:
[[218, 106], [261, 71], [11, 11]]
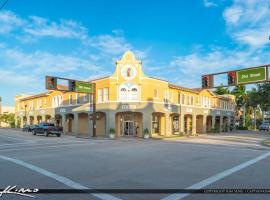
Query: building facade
[[130, 102]]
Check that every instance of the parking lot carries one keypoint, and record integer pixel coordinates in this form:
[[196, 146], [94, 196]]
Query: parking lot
[[235, 160]]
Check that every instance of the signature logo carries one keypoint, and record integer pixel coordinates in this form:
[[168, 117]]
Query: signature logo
[[18, 191]]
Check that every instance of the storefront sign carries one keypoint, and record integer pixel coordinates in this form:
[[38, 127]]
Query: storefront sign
[[206, 111], [251, 75], [189, 110], [126, 106], [218, 113]]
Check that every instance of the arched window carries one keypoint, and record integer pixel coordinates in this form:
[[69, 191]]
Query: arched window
[[134, 94], [123, 94], [128, 92]]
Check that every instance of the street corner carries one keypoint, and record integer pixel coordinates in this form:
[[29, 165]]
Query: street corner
[[266, 142]]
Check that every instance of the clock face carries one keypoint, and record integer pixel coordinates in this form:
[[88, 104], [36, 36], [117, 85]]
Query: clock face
[[128, 72]]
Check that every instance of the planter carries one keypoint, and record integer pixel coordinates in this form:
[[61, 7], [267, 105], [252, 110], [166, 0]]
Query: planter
[[112, 136], [146, 136]]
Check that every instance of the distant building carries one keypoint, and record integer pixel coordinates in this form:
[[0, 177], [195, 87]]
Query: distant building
[[7, 109]]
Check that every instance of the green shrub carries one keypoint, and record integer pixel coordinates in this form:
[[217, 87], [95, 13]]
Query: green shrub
[[242, 128], [146, 131], [112, 131]]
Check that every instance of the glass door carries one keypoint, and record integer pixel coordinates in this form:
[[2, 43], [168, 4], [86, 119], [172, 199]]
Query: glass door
[[128, 127]]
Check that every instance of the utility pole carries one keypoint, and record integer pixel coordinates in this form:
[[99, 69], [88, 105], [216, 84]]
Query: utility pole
[[244, 115]]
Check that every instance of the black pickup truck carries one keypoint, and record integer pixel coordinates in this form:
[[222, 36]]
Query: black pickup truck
[[47, 129]]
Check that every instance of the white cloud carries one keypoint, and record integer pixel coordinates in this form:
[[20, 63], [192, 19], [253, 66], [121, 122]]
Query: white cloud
[[30, 29], [43, 62], [110, 44], [9, 22], [35, 26], [209, 3], [248, 22], [41, 27], [13, 78], [232, 15]]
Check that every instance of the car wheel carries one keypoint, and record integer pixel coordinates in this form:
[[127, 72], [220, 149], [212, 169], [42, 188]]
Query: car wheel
[[58, 135]]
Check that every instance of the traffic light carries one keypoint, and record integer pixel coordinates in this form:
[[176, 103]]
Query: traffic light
[[51, 83], [231, 78], [205, 81], [72, 85]]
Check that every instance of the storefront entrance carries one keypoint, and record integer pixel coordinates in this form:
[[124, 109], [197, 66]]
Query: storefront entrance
[[129, 124], [128, 127]]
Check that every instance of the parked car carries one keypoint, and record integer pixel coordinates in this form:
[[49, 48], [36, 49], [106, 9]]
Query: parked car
[[26, 128], [47, 129], [265, 126], [32, 127]]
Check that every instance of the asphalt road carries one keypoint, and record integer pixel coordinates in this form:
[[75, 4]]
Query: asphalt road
[[235, 160]]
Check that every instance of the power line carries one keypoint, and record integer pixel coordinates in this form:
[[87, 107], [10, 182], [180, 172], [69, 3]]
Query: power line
[[4, 4]]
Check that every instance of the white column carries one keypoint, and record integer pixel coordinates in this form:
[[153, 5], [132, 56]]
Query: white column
[[229, 124], [213, 121], [147, 122], [204, 123], [181, 122], [28, 120], [194, 124], [42, 118], [167, 124], [221, 124], [64, 123], [76, 124]]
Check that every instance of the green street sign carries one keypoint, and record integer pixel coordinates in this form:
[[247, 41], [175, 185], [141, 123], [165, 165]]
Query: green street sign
[[84, 87], [251, 75]]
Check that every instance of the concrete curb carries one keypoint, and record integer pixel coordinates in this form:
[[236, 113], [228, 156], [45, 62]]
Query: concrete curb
[[266, 142]]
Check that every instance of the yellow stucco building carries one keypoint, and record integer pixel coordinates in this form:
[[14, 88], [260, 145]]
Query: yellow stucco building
[[129, 101]]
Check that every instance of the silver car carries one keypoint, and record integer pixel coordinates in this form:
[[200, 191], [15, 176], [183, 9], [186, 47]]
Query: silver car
[[265, 126]]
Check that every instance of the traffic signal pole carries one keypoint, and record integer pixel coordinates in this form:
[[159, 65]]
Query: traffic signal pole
[[79, 87], [233, 77], [94, 111]]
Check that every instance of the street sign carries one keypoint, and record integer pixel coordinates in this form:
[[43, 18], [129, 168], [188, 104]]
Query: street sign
[[84, 87], [251, 75]]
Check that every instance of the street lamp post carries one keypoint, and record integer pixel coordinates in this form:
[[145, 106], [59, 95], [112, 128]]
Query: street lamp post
[[25, 114]]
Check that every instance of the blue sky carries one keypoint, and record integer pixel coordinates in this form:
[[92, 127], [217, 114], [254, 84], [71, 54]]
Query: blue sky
[[176, 40]]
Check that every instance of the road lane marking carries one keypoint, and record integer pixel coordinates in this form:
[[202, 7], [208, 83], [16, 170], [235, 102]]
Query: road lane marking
[[42, 147], [217, 177], [15, 138], [16, 144], [35, 143], [66, 181], [223, 147]]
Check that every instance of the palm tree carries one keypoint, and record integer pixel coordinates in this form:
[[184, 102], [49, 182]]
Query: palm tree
[[253, 101], [220, 90], [241, 98]]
